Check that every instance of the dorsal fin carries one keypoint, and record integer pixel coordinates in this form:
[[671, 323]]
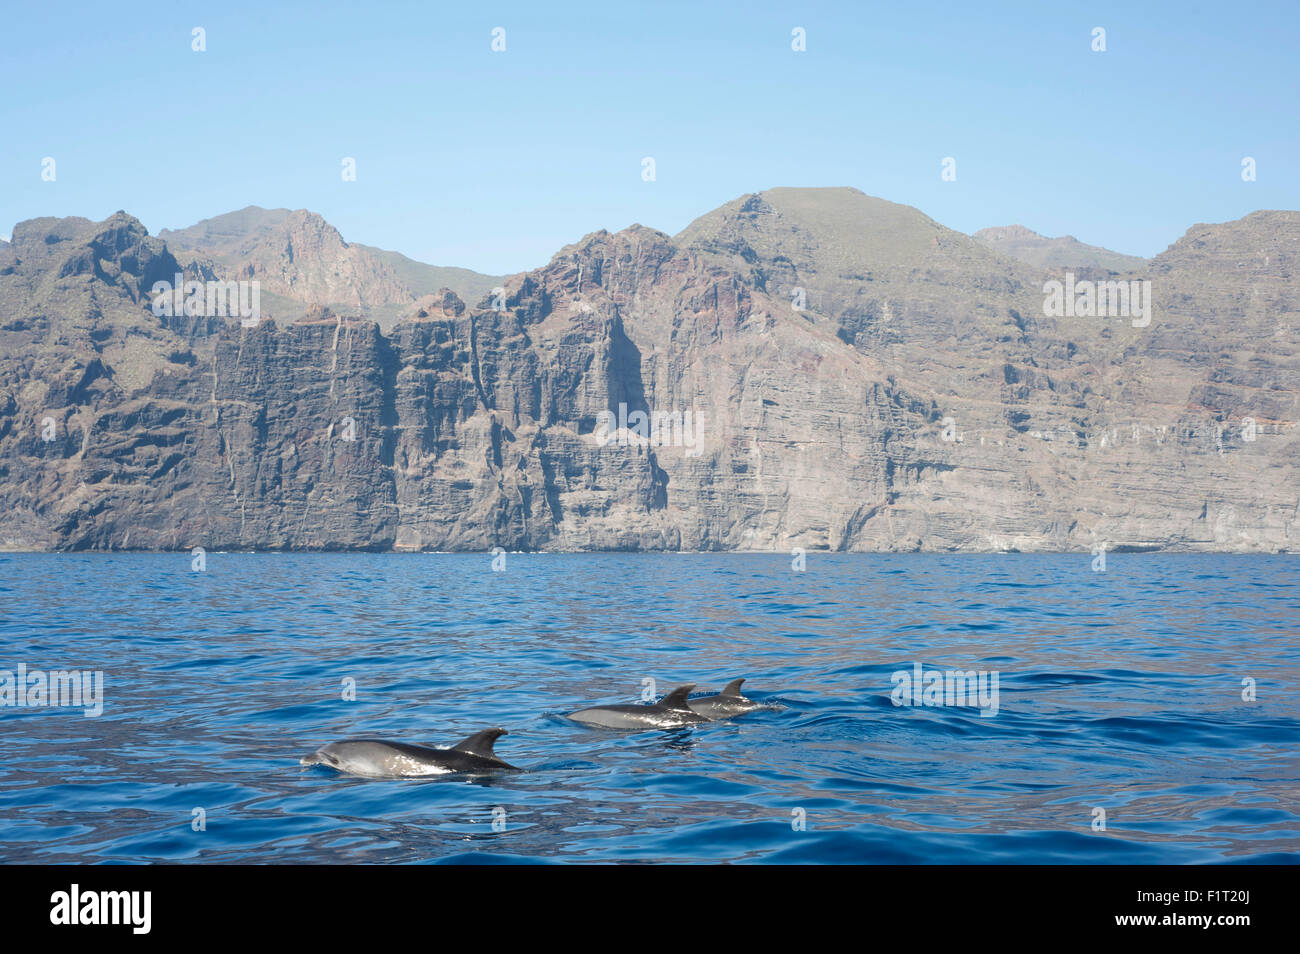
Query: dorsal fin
[[677, 698], [732, 688], [480, 743]]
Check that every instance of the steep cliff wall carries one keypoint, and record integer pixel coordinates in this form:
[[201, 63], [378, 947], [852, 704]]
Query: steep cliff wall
[[821, 370]]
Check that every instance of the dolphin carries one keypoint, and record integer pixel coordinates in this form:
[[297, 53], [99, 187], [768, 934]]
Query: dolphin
[[668, 713], [726, 704], [377, 758]]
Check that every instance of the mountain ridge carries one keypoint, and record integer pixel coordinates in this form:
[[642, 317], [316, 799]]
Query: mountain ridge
[[1063, 252], [858, 378], [304, 263]]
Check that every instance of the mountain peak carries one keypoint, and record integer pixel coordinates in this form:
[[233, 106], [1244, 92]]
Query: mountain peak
[[1066, 251], [1264, 242], [860, 226], [304, 264], [604, 241], [1008, 233], [120, 245]]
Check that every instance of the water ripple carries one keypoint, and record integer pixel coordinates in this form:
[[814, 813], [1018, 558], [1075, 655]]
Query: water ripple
[[1119, 692]]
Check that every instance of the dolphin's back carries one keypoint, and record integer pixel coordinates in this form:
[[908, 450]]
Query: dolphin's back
[[382, 758], [727, 703], [619, 717], [669, 712]]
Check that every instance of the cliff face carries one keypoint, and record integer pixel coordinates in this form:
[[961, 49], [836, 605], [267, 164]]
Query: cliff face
[[819, 369]]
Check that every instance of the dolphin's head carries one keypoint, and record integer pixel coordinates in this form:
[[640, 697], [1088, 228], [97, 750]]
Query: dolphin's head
[[322, 756]]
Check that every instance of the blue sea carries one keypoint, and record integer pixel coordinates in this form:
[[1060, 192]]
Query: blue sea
[[1145, 714]]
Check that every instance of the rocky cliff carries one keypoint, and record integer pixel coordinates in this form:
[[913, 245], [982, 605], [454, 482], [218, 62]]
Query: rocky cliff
[[799, 368]]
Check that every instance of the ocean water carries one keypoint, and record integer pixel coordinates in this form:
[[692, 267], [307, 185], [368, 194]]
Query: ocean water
[[1118, 692]]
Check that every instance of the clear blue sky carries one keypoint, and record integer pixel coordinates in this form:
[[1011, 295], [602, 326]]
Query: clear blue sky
[[495, 160]]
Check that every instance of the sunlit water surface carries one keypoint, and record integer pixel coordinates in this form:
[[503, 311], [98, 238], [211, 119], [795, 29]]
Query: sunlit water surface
[[1118, 691]]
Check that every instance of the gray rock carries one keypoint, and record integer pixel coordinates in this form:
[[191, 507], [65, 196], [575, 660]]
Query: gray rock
[[918, 398]]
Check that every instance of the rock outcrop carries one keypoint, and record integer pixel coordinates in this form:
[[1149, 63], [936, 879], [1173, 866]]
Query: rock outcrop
[[816, 368]]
